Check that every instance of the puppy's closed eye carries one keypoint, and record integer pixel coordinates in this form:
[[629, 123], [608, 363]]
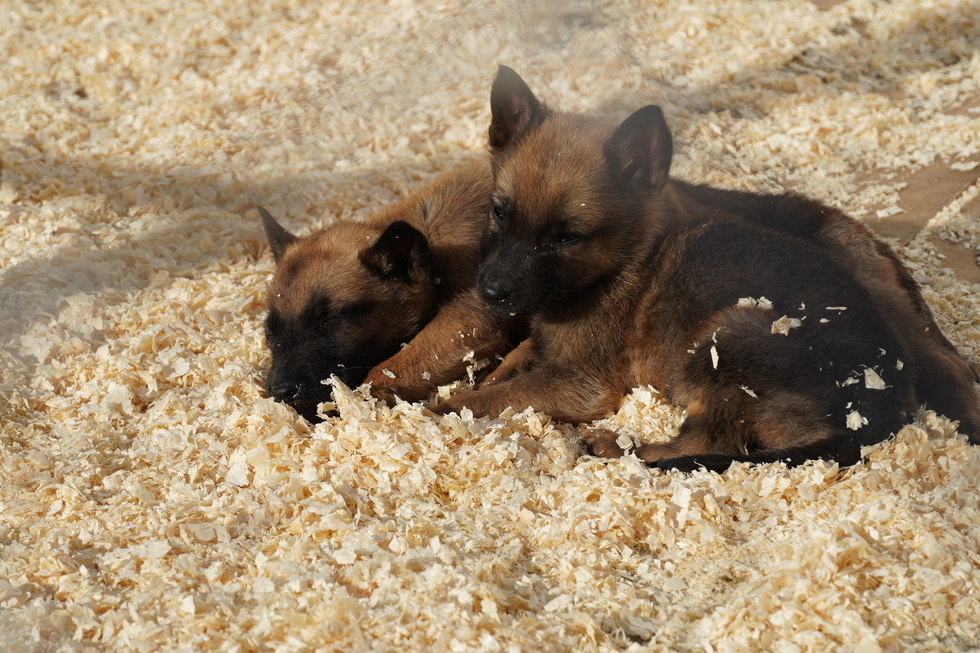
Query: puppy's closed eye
[[567, 238], [327, 320]]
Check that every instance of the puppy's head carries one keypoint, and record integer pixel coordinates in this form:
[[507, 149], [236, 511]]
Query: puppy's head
[[342, 300], [569, 198]]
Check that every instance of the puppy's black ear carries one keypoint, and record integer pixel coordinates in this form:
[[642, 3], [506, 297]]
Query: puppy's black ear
[[277, 236], [640, 150], [400, 253], [513, 109]]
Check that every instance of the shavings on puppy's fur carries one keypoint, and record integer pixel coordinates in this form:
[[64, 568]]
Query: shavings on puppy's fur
[[784, 324]]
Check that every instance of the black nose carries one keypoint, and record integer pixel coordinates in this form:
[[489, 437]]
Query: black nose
[[284, 391], [495, 291]]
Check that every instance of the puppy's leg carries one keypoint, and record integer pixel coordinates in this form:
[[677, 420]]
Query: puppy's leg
[[945, 384], [566, 395], [697, 447], [772, 397], [602, 443], [440, 352], [518, 361], [707, 441]]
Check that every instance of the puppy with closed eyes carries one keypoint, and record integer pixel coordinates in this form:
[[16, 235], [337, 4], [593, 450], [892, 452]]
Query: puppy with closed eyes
[[345, 299]]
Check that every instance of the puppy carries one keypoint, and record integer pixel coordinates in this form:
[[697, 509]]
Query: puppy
[[750, 311], [344, 299]]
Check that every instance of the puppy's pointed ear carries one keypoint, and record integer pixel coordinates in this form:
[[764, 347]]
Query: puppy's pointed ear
[[640, 150], [277, 236], [513, 109], [400, 253]]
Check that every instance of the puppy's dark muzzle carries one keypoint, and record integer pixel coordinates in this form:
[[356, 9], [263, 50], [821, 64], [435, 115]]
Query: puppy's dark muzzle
[[305, 396], [499, 295], [302, 399], [299, 398], [284, 391], [495, 292]]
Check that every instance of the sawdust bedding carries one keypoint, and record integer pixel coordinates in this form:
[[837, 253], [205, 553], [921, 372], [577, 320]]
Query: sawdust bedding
[[151, 497]]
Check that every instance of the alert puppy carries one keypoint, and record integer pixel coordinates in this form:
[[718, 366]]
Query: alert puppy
[[344, 299], [745, 309]]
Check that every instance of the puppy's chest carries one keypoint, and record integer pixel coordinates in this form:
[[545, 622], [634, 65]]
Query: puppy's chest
[[671, 307], [656, 343]]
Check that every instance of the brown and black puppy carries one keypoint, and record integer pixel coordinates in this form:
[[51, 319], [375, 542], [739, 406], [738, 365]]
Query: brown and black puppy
[[745, 309], [344, 299]]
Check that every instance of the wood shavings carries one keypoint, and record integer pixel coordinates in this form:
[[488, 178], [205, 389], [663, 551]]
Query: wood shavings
[[751, 302], [151, 496], [784, 324], [856, 420], [965, 165], [889, 211], [625, 442], [872, 380]]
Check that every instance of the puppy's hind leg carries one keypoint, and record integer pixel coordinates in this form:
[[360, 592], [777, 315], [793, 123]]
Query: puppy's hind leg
[[945, 384], [705, 441], [603, 443], [716, 434], [712, 436], [764, 401]]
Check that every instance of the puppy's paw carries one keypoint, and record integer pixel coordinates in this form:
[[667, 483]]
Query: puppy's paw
[[602, 443], [443, 409], [464, 404], [386, 395], [454, 404], [382, 386], [652, 454], [390, 390]]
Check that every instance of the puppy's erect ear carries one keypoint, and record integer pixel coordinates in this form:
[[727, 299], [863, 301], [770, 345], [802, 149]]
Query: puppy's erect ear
[[513, 109], [641, 149], [277, 236], [400, 253]]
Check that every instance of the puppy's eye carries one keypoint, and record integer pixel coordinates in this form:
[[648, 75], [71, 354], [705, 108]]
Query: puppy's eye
[[498, 211], [567, 238], [331, 320], [272, 328]]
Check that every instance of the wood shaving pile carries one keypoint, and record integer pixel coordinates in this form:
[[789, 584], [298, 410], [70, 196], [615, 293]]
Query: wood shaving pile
[[152, 498]]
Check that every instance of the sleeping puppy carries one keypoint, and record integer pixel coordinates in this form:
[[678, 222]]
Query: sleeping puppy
[[344, 299], [747, 310]]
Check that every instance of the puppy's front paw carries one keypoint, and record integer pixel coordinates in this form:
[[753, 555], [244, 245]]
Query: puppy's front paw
[[382, 386], [452, 405], [602, 443], [390, 387], [386, 395], [443, 409]]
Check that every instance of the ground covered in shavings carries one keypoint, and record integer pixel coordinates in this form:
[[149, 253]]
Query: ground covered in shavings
[[152, 498]]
